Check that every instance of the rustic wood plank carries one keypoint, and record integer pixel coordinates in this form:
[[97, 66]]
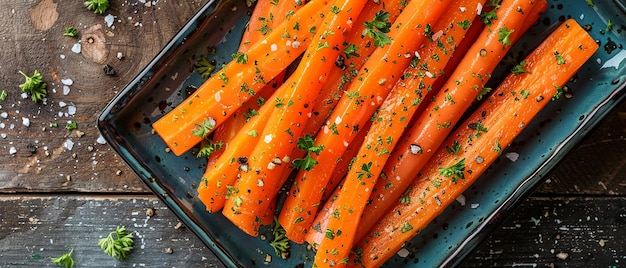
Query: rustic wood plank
[[558, 232], [32, 38], [35, 228]]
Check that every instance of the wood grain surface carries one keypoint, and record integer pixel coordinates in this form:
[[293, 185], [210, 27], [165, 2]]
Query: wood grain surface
[[63, 189]]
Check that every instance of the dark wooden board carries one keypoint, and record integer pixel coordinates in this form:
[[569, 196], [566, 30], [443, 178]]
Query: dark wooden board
[[32, 39], [34, 228]]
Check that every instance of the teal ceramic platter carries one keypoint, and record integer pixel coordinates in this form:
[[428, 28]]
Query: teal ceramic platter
[[216, 30]]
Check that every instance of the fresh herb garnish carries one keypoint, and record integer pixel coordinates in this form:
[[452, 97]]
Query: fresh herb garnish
[[204, 67], [118, 244], [71, 125], [519, 68], [70, 31], [64, 260], [97, 6], [504, 36], [455, 171], [280, 242], [35, 86], [203, 128], [3, 95], [307, 143], [377, 29], [209, 148]]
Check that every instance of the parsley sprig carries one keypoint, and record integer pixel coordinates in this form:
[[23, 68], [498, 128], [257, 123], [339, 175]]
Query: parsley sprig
[[209, 148], [454, 172], [64, 260], [35, 86], [118, 244], [378, 28], [204, 67], [70, 31], [97, 6], [280, 242], [307, 143]]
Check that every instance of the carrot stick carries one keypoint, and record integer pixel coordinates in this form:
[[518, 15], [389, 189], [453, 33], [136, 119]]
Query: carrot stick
[[356, 106], [218, 179], [355, 52], [255, 188], [265, 15], [402, 168], [516, 101], [223, 93], [390, 122]]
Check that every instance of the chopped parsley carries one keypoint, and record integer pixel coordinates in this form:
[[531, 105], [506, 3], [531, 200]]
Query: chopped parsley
[[378, 28], [307, 144]]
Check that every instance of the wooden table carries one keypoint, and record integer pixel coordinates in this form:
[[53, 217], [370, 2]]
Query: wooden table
[[62, 189]]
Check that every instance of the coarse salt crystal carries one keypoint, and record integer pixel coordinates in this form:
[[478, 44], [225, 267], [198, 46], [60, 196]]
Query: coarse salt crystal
[[12, 150], [68, 144], [403, 253], [66, 90], [71, 110], [273, 47], [25, 121], [62, 104], [4, 115], [76, 48], [461, 199], [513, 156], [67, 82], [101, 140], [218, 96], [479, 9], [267, 138], [474, 205], [109, 19]]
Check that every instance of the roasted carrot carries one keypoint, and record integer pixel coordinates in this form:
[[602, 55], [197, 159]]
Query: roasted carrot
[[402, 168], [256, 188], [365, 94], [480, 140], [224, 92], [355, 52], [389, 123], [218, 179], [265, 15]]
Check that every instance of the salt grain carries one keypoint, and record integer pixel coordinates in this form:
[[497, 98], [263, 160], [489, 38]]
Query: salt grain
[[25, 121], [109, 19], [76, 48], [62, 104], [66, 90], [71, 110], [513, 156], [12, 150], [68, 144], [101, 140], [4, 115], [67, 82]]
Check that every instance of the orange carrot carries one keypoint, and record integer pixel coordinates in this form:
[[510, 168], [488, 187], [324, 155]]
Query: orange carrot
[[223, 93], [217, 181], [480, 140], [402, 168], [356, 106], [256, 188], [389, 124], [355, 52], [265, 15]]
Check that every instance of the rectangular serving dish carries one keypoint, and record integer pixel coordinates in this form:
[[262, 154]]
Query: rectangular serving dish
[[216, 30]]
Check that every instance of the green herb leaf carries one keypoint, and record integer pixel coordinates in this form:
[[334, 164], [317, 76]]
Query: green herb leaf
[[519, 68], [377, 29], [455, 171], [71, 125], [209, 148], [35, 86], [97, 6], [118, 244], [204, 67], [280, 242], [307, 144], [504, 36], [70, 31], [64, 260], [3, 95], [202, 129]]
